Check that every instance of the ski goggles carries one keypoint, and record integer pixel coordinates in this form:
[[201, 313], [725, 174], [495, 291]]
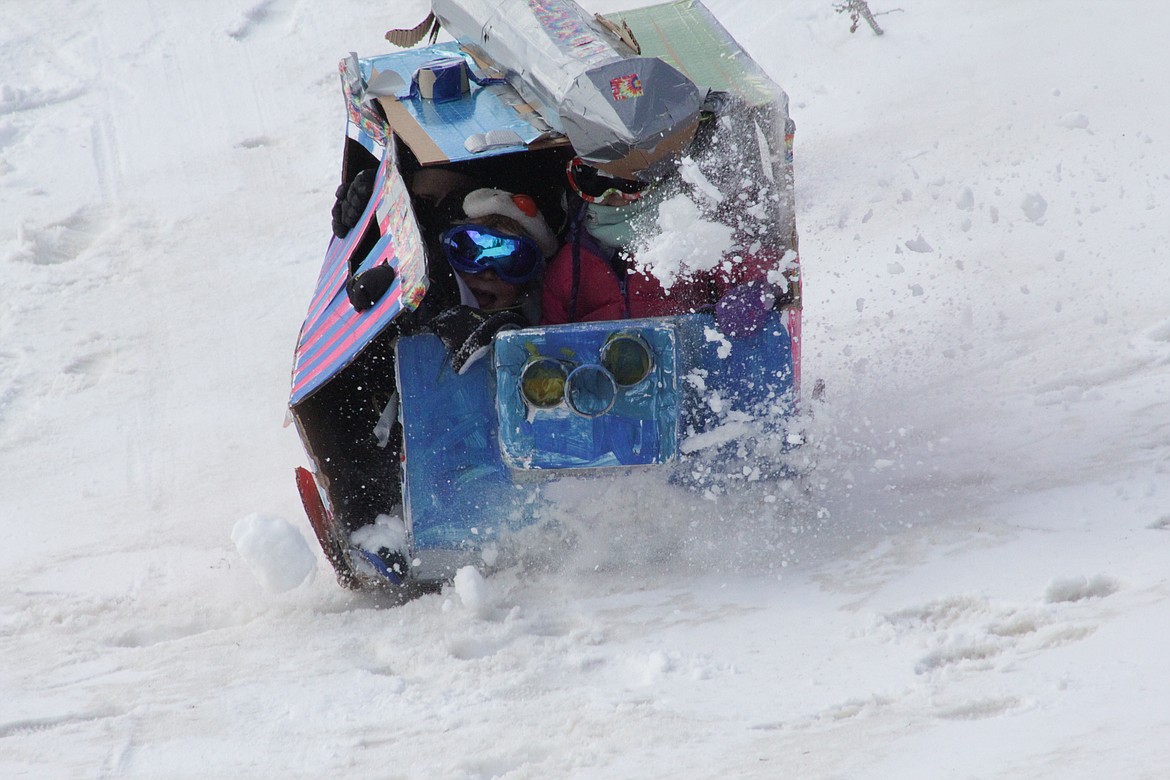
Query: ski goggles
[[594, 186], [473, 249]]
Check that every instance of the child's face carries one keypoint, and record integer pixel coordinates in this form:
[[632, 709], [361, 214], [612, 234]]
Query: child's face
[[490, 291]]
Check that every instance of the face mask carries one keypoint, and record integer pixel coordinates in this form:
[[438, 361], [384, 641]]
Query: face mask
[[619, 226]]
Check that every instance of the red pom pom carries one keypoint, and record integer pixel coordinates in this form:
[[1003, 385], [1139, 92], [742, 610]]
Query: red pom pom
[[525, 204]]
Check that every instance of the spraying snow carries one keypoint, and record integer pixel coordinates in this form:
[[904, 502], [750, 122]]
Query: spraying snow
[[684, 242]]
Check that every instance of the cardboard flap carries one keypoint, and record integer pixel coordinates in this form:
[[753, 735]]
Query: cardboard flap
[[449, 131]]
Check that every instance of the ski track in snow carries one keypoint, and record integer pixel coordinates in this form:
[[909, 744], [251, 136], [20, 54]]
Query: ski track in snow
[[973, 584]]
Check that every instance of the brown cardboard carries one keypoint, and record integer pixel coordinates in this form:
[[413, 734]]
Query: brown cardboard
[[411, 132], [638, 160]]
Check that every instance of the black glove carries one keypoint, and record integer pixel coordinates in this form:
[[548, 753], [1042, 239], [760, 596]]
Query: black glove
[[467, 333], [352, 198], [364, 289]]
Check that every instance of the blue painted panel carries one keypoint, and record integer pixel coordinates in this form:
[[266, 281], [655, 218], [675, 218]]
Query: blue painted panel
[[450, 123], [641, 428], [749, 374], [456, 489], [459, 492]]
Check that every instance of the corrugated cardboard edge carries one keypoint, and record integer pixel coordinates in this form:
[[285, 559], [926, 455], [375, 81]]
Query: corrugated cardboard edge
[[405, 39], [411, 132], [641, 161]]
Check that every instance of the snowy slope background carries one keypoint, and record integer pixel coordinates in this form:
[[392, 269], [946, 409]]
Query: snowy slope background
[[979, 588]]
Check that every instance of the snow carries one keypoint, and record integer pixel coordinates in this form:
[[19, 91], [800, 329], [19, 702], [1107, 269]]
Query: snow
[[386, 531], [977, 589], [274, 550], [681, 242]]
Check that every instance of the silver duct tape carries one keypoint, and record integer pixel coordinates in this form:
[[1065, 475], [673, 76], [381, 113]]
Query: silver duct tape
[[620, 111], [626, 135]]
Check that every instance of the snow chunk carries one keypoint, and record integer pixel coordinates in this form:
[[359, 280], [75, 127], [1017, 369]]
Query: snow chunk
[[1074, 120], [274, 550], [1080, 588], [474, 591], [693, 175], [1034, 207], [387, 531], [714, 336], [685, 242], [656, 665], [697, 379], [716, 437], [919, 244]]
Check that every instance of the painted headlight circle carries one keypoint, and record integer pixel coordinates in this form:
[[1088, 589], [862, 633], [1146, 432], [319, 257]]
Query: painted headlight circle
[[627, 357], [542, 382], [590, 390]]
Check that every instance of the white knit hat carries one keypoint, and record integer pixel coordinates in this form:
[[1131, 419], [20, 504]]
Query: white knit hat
[[522, 208]]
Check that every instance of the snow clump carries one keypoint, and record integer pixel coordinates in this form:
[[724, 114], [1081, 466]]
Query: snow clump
[[1034, 207], [274, 550], [475, 592], [387, 531], [684, 243]]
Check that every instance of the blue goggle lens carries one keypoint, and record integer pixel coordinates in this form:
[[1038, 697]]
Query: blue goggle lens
[[473, 249]]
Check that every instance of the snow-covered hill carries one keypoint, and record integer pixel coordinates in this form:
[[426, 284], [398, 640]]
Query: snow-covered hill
[[979, 589]]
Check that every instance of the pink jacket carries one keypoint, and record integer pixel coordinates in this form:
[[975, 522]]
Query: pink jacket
[[593, 293]]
